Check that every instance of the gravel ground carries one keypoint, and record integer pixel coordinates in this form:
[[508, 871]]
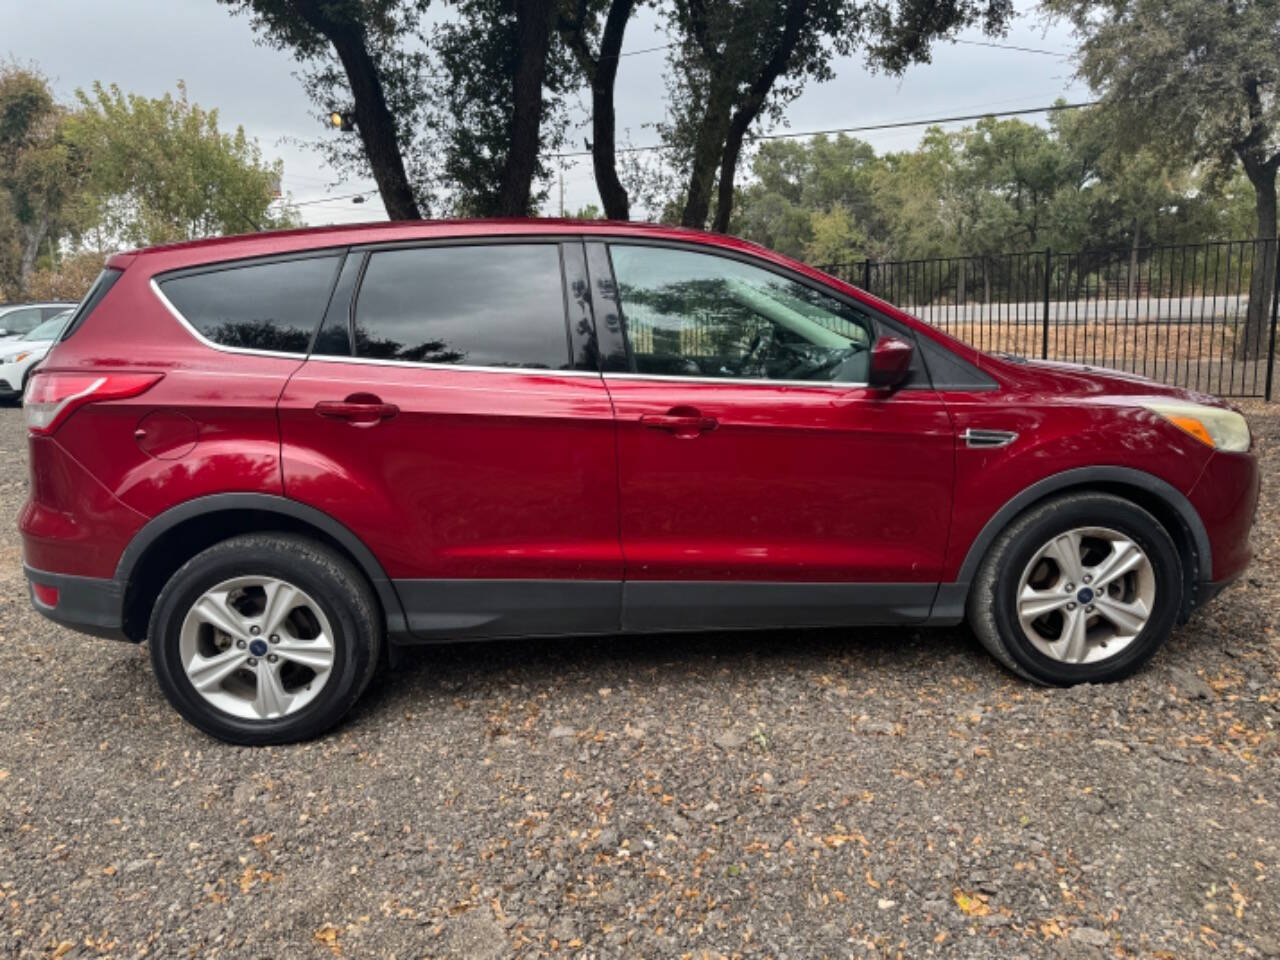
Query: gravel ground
[[791, 794]]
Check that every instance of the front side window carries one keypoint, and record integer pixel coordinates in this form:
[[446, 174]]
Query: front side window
[[487, 305], [263, 306], [700, 315]]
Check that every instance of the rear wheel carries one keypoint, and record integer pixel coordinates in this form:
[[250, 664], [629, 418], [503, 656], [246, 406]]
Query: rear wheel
[[265, 639], [1081, 589]]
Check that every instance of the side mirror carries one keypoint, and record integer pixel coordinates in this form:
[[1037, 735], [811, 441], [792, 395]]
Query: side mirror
[[890, 362]]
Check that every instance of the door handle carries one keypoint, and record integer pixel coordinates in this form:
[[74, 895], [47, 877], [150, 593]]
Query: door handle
[[683, 422], [359, 408]]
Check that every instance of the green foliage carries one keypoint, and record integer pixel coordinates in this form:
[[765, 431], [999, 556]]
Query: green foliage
[[160, 170], [39, 174], [740, 61], [997, 186], [1197, 80], [479, 55]]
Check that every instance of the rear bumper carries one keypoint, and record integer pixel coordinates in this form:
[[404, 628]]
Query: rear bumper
[[86, 604]]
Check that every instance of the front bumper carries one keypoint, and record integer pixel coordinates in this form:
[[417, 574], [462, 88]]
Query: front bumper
[[86, 604]]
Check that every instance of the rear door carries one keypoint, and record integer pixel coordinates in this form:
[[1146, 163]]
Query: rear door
[[761, 480], [453, 416]]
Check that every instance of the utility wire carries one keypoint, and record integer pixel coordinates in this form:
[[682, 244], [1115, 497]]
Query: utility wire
[[1011, 46], [972, 43], [890, 125]]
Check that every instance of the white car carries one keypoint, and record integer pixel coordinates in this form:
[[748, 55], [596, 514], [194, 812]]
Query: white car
[[19, 319], [19, 357]]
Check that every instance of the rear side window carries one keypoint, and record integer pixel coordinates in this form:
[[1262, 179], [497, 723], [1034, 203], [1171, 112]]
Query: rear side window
[[106, 280], [494, 305], [262, 306]]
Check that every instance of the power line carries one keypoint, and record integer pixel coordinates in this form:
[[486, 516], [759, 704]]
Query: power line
[[345, 196], [790, 135], [1011, 46], [972, 43], [891, 125]]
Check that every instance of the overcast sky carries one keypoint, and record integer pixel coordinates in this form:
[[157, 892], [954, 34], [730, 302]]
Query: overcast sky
[[146, 46]]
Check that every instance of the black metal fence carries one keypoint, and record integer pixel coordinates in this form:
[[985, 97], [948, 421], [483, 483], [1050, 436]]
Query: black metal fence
[[1201, 316]]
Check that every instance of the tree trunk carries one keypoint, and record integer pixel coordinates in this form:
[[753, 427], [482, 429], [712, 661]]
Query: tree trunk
[[1254, 338], [706, 158], [533, 35], [604, 160], [728, 169], [373, 117], [33, 235], [797, 16]]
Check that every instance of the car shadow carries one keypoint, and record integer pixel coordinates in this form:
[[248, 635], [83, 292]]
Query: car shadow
[[492, 667]]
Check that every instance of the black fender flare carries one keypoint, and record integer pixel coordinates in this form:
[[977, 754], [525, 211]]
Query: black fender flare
[[162, 523]]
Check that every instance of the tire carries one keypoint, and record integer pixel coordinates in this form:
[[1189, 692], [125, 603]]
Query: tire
[[321, 656], [1029, 568]]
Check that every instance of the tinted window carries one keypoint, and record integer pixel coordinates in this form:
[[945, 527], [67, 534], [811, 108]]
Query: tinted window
[[700, 315], [499, 305], [265, 306]]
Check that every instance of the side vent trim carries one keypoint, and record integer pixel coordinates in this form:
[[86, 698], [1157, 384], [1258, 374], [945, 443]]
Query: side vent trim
[[987, 439]]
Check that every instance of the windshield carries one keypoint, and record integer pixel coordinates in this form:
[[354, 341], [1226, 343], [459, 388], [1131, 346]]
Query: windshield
[[50, 329]]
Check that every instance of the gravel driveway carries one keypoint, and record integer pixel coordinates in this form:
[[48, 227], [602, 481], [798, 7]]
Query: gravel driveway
[[790, 794]]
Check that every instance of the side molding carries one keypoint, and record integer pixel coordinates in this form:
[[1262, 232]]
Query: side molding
[[267, 503]]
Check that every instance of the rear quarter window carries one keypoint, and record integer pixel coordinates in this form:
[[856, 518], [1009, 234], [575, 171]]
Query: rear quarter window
[[491, 305], [262, 306]]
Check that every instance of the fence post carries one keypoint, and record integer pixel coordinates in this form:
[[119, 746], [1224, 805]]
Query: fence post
[[1044, 341], [1275, 308], [866, 274]]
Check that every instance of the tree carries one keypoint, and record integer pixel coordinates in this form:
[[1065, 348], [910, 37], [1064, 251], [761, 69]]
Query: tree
[[578, 25], [739, 60], [503, 79], [160, 170], [39, 173], [1201, 78], [356, 52]]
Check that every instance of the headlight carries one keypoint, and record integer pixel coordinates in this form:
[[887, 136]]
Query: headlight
[[1219, 428]]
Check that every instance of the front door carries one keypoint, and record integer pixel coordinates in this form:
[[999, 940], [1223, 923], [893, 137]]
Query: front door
[[456, 391], [761, 481]]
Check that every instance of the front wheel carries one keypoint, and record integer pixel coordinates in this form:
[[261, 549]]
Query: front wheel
[[1080, 589], [265, 639]]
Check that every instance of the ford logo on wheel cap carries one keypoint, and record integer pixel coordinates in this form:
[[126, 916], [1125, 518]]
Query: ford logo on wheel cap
[[258, 647]]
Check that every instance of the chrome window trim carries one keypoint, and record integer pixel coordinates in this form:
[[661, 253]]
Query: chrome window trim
[[177, 315], [740, 381], [416, 365]]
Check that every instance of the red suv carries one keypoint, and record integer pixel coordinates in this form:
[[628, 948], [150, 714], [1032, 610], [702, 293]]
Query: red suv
[[276, 457]]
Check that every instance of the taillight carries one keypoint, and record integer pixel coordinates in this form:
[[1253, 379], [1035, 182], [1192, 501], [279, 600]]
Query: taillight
[[46, 595], [52, 397]]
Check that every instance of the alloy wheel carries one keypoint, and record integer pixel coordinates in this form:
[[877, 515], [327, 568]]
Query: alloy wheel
[[258, 648], [1086, 595]]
